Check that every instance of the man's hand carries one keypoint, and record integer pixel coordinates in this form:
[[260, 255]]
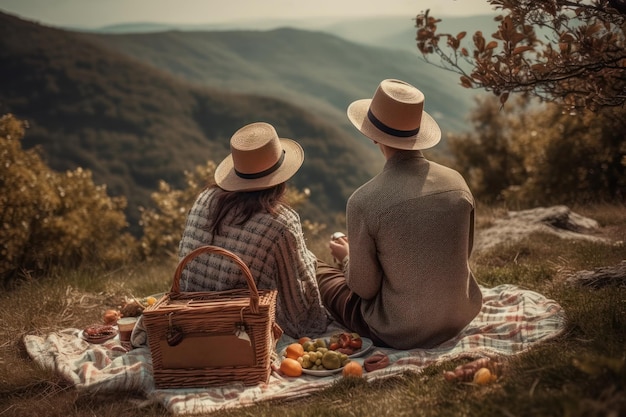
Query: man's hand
[[339, 247]]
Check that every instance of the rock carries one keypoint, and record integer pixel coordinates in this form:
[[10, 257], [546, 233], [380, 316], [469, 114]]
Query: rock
[[556, 220], [600, 277]]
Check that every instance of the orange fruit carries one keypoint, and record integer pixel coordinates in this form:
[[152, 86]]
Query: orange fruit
[[483, 376], [110, 316], [294, 351], [304, 339], [352, 368], [291, 367]]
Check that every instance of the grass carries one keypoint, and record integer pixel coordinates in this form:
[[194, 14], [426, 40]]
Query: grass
[[582, 373]]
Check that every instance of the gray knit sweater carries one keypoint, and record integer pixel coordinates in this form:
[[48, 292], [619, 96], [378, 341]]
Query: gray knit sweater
[[411, 231], [275, 251]]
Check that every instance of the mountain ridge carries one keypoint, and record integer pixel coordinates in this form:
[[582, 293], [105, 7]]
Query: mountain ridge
[[311, 68], [139, 108], [134, 125]]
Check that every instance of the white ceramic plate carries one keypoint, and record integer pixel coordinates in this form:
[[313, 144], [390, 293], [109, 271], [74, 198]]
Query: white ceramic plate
[[365, 347], [321, 372]]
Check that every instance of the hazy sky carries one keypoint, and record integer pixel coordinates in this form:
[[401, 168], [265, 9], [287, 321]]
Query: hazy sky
[[96, 13]]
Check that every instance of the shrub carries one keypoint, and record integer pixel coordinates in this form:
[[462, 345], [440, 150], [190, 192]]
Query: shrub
[[529, 156], [163, 225], [53, 219]]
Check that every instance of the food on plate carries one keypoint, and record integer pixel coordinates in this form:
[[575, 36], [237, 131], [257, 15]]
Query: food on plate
[[309, 346], [331, 360], [291, 367], [313, 355], [110, 316], [312, 345], [345, 342], [376, 361], [99, 330], [323, 359], [352, 368], [97, 333]]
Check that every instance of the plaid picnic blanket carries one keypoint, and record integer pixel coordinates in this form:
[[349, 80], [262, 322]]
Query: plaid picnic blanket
[[511, 321]]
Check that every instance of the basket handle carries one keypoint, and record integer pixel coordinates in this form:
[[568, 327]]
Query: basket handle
[[254, 292]]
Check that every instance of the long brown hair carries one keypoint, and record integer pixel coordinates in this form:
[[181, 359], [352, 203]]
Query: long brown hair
[[244, 204]]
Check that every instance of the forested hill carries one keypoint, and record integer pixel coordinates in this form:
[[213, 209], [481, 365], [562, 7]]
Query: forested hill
[[132, 124], [313, 69]]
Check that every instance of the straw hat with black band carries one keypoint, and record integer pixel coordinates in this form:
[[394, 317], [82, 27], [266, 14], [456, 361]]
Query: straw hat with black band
[[395, 117], [259, 159]]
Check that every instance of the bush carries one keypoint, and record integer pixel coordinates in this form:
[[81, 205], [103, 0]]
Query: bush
[[53, 219], [163, 225], [542, 156]]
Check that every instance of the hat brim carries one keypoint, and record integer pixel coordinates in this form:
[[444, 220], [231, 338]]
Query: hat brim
[[227, 179], [428, 136]]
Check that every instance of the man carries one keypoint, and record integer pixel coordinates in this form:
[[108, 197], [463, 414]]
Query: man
[[405, 280]]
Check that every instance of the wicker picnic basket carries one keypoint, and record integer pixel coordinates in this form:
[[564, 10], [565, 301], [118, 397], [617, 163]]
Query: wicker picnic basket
[[200, 339]]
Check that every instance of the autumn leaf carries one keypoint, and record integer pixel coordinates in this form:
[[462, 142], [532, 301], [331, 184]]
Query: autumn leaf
[[466, 82], [522, 49]]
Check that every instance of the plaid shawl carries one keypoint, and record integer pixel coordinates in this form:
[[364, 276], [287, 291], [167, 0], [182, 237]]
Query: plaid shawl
[[511, 321]]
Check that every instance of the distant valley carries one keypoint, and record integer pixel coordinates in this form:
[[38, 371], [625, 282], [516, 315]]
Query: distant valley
[[330, 73], [143, 107], [315, 70]]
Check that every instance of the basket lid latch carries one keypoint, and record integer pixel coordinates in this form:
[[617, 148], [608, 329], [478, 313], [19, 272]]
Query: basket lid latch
[[174, 334], [240, 329], [241, 333]]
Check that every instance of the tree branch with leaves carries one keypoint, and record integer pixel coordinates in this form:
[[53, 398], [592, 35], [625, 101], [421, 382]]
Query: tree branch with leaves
[[569, 52]]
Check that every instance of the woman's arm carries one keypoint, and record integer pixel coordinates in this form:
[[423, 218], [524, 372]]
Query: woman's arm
[[303, 313]]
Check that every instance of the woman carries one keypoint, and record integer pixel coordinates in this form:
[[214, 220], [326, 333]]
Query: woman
[[245, 213]]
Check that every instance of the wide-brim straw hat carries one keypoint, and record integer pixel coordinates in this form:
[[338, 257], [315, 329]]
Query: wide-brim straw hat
[[395, 117], [259, 159]]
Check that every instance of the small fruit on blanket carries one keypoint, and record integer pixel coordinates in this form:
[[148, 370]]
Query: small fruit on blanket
[[291, 367], [352, 368], [110, 316], [304, 339], [483, 376], [151, 300], [468, 371], [294, 351]]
